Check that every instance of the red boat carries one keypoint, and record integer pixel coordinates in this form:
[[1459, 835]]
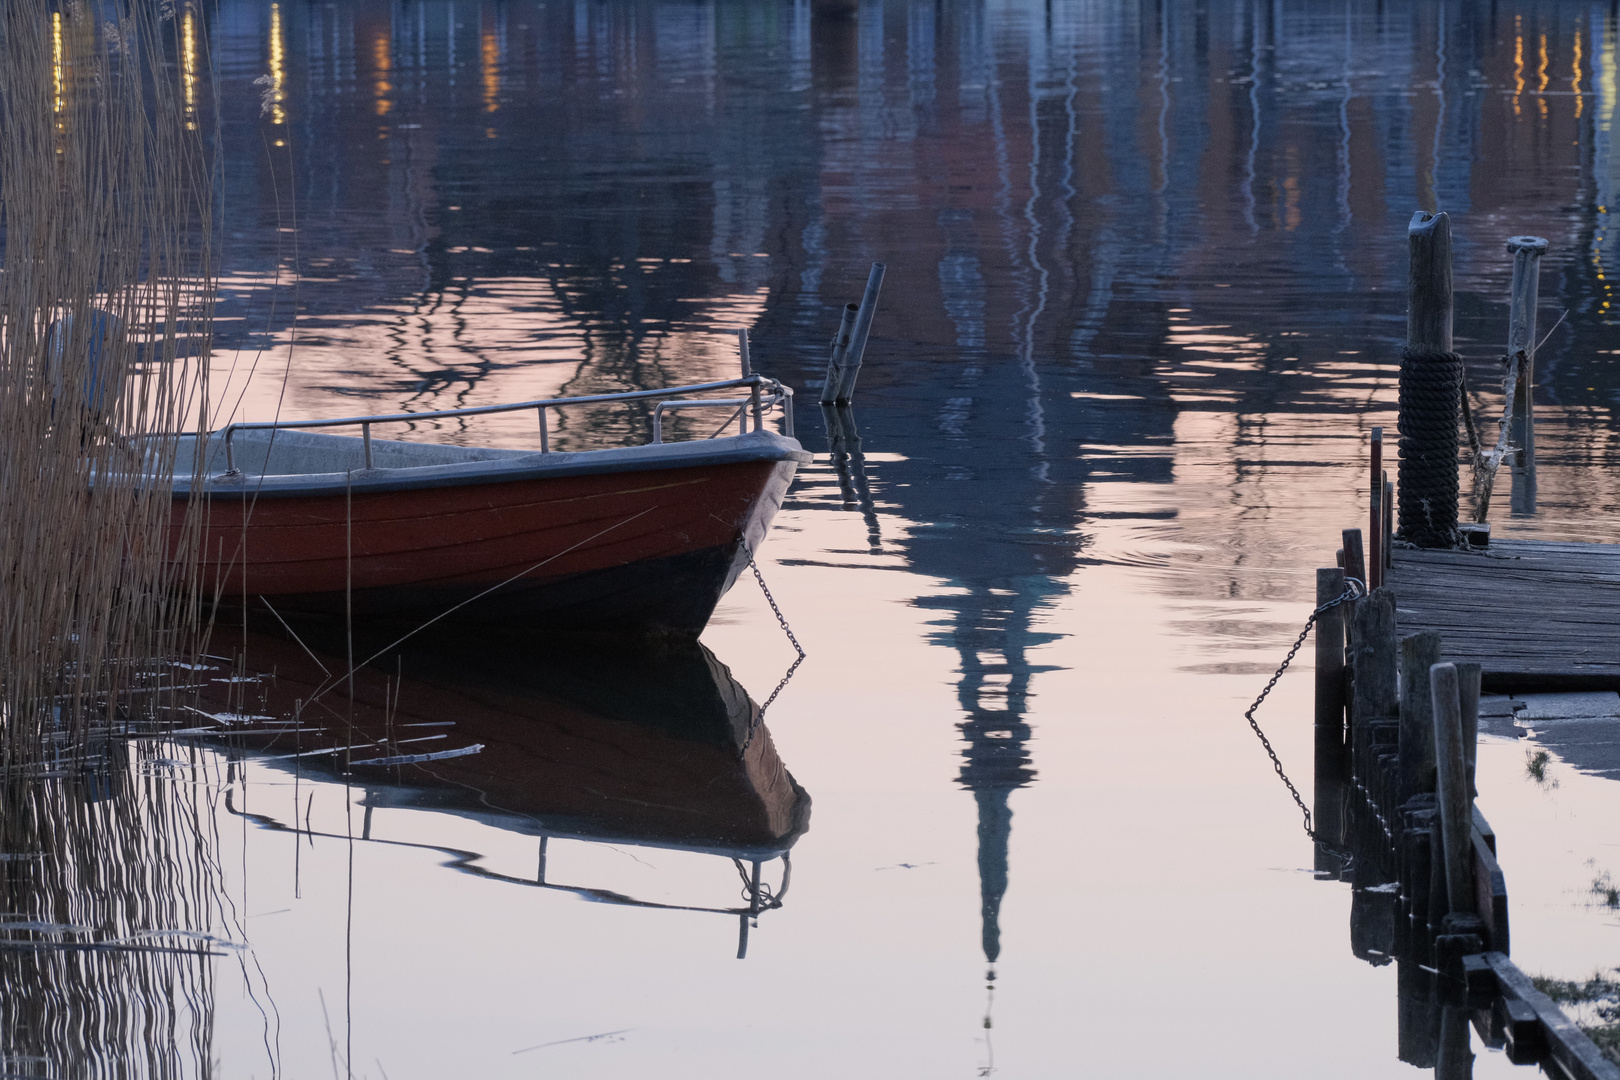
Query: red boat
[[637, 540]]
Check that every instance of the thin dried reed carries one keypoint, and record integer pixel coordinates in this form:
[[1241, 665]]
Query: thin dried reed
[[106, 181]]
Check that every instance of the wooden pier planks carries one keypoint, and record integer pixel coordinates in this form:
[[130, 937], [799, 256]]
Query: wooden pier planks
[[1535, 614]]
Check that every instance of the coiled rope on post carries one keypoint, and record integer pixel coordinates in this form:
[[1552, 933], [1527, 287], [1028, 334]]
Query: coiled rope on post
[[1430, 392]]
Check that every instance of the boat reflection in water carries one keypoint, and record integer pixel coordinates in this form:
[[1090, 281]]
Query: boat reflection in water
[[655, 747]]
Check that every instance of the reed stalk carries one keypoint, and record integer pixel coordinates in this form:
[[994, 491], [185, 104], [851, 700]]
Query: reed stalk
[[106, 302]]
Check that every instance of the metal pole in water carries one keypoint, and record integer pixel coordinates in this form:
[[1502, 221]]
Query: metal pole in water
[[1527, 252], [857, 337], [835, 363]]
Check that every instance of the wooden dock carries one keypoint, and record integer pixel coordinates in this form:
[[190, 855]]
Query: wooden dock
[[1535, 614], [1393, 809]]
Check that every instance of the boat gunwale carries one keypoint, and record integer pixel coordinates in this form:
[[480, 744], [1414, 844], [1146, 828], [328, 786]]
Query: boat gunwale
[[756, 446]]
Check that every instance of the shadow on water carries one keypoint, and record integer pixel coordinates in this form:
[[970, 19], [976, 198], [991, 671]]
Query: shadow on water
[[658, 747]]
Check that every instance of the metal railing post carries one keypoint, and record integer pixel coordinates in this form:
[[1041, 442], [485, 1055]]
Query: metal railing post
[[658, 422], [230, 456], [787, 411], [365, 435], [753, 400], [545, 436]]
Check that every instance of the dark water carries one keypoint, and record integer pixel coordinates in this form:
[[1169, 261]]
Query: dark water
[[1145, 297]]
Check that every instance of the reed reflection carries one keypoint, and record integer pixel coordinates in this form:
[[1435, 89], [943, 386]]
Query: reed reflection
[[113, 919]]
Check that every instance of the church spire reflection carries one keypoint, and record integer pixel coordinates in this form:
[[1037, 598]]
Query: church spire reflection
[[991, 632]]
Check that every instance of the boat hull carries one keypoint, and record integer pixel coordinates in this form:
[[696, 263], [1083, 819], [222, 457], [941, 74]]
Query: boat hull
[[639, 545]]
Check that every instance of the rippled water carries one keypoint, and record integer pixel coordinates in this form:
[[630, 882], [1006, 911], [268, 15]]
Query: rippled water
[[1145, 296]]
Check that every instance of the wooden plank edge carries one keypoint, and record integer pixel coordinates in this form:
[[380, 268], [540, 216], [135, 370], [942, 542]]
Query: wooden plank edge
[[1567, 1045]]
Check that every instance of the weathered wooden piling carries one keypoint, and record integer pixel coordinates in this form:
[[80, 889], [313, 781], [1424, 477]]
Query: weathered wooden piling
[[1327, 804], [1355, 560], [1430, 381], [1451, 772], [1373, 695], [1419, 653], [1375, 513], [1469, 677]]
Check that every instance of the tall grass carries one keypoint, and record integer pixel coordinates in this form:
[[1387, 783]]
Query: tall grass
[[106, 179]]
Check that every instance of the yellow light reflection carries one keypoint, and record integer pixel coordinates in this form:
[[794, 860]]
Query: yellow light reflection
[[1518, 62], [278, 66], [1605, 79], [1575, 65], [383, 61], [58, 61], [188, 66], [1542, 76], [491, 55]]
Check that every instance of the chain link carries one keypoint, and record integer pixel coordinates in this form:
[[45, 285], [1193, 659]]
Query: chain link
[[1354, 590], [759, 717]]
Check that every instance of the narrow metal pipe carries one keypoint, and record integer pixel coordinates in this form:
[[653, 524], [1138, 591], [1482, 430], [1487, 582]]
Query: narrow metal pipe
[[858, 336], [545, 436], [840, 347], [787, 411], [1525, 295], [742, 348], [753, 400], [365, 435]]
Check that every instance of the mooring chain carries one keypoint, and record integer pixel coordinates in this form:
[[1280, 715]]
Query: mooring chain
[[781, 619], [1355, 589]]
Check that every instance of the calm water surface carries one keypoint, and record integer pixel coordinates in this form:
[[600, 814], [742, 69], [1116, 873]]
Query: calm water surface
[[1144, 302]]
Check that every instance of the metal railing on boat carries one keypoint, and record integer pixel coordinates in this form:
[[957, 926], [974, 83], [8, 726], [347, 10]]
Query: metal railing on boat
[[763, 394]]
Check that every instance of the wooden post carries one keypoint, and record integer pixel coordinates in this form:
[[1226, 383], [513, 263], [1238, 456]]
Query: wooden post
[[1417, 1019], [1355, 562], [1419, 653], [1374, 658], [1456, 804], [1455, 1058], [1468, 686], [1389, 526], [1428, 291], [1327, 804], [1428, 507], [1527, 252], [1375, 514]]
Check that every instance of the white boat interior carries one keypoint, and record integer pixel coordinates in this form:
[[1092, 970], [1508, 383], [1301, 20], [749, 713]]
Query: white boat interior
[[261, 452]]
